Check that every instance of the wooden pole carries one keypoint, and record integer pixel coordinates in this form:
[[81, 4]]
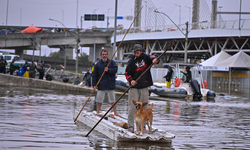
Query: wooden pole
[[168, 46], [108, 64]]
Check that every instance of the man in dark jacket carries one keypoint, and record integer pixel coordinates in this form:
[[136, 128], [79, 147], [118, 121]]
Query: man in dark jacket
[[3, 64], [41, 70], [13, 67], [168, 77], [32, 70], [188, 75], [139, 91], [87, 78], [107, 83]]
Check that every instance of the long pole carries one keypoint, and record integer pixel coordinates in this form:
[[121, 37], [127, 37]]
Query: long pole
[[108, 63], [168, 46], [114, 44]]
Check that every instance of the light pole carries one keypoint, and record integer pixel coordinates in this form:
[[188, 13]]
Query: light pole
[[20, 17], [77, 42], [108, 18], [185, 34], [189, 12], [220, 14], [62, 16], [7, 13], [179, 14], [146, 13], [240, 14]]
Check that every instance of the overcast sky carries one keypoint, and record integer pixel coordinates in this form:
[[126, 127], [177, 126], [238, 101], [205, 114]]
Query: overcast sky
[[38, 12]]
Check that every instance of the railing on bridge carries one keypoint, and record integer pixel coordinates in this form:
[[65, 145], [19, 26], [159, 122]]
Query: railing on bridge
[[228, 24]]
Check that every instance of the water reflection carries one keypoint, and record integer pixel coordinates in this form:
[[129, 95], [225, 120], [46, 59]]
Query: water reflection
[[43, 119]]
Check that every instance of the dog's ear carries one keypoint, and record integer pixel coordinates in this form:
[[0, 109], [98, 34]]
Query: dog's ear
[[134, 102], [144, 104]]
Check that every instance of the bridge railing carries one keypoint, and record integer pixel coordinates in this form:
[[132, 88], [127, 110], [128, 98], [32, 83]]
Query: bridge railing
[[227, 24]]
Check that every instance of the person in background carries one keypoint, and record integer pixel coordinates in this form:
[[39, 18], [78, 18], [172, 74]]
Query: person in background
[[139, 90], [32, 70], [107, 83], [77, 81], [188, 75], [3, 64], [41, 70], [13, 67], [168, 77], [26, 65], [87, 78], [94, 63]]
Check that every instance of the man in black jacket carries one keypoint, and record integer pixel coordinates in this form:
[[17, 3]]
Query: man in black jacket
[[188, 75], [139, 91], [107, 83]]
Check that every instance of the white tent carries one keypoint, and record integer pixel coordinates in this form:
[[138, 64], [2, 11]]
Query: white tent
[[213, 61], [238, 60]]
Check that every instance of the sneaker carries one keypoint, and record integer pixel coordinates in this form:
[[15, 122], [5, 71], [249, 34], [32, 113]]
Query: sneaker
[[131, 130]]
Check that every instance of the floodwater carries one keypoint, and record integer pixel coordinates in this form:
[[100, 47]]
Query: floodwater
[[43, 119]]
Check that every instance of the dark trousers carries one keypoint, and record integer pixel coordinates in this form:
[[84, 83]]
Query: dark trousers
[[88, 83], [2, 70], [41, 74]]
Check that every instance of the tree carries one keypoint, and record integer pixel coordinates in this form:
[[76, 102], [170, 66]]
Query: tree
[[54, 54], [83, 57]]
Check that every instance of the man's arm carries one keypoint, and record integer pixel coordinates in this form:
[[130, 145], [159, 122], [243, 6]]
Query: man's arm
[[128, 73], [113, 69], [95, 76]]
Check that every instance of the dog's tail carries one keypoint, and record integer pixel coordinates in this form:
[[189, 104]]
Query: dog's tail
[[152, 106]]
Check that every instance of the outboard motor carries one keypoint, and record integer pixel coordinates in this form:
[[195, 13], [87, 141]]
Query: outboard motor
[[196, 88]]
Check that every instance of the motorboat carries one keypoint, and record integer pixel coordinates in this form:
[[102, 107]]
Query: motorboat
[[195, 90]]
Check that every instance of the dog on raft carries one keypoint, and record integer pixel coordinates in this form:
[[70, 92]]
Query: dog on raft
[[143, 116]]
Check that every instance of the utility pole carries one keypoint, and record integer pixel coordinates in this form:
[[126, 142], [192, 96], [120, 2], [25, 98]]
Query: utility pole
[[186, 42], [76, 50], [239, 16]]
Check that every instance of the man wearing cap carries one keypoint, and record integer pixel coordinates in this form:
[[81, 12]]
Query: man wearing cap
[[168, 77], [188, 75], [139, 90], [87, 78], [107, 83]]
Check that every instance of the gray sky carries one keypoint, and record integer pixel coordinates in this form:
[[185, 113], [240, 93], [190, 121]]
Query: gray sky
[[38, 12]]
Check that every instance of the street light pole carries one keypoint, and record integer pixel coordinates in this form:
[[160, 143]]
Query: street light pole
[[185, 34], [186, 42], [77, 51], [220, 14], [20, 17], [179, 14]]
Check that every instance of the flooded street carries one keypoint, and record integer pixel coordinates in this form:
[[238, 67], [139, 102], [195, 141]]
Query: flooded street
[[43, 119]]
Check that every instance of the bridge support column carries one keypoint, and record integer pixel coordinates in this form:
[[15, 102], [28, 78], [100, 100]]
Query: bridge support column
[[214, 14], [195, 13], [66, 51], [38, 47], [19, 51], [94, 52]]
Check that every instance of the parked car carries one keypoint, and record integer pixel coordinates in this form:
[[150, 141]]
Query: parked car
[[46, 31]]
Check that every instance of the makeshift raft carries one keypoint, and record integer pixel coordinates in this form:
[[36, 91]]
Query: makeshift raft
[[117, 133]]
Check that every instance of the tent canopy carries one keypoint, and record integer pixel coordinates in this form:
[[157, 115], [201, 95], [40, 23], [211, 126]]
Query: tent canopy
[[213, 61], [32, 29], [238, 60]]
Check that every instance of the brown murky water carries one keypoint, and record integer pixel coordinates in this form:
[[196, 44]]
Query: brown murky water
[[43, 119]]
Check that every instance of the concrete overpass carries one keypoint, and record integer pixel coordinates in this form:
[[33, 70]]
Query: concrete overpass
[[66, 41]]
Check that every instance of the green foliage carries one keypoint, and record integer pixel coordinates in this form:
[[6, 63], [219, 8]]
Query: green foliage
[[83, 57], [54, 54]]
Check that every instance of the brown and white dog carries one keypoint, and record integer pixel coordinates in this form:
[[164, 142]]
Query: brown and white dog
[[142, 116]]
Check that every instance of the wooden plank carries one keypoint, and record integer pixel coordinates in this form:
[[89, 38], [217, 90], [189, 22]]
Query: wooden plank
[[233, 75]]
